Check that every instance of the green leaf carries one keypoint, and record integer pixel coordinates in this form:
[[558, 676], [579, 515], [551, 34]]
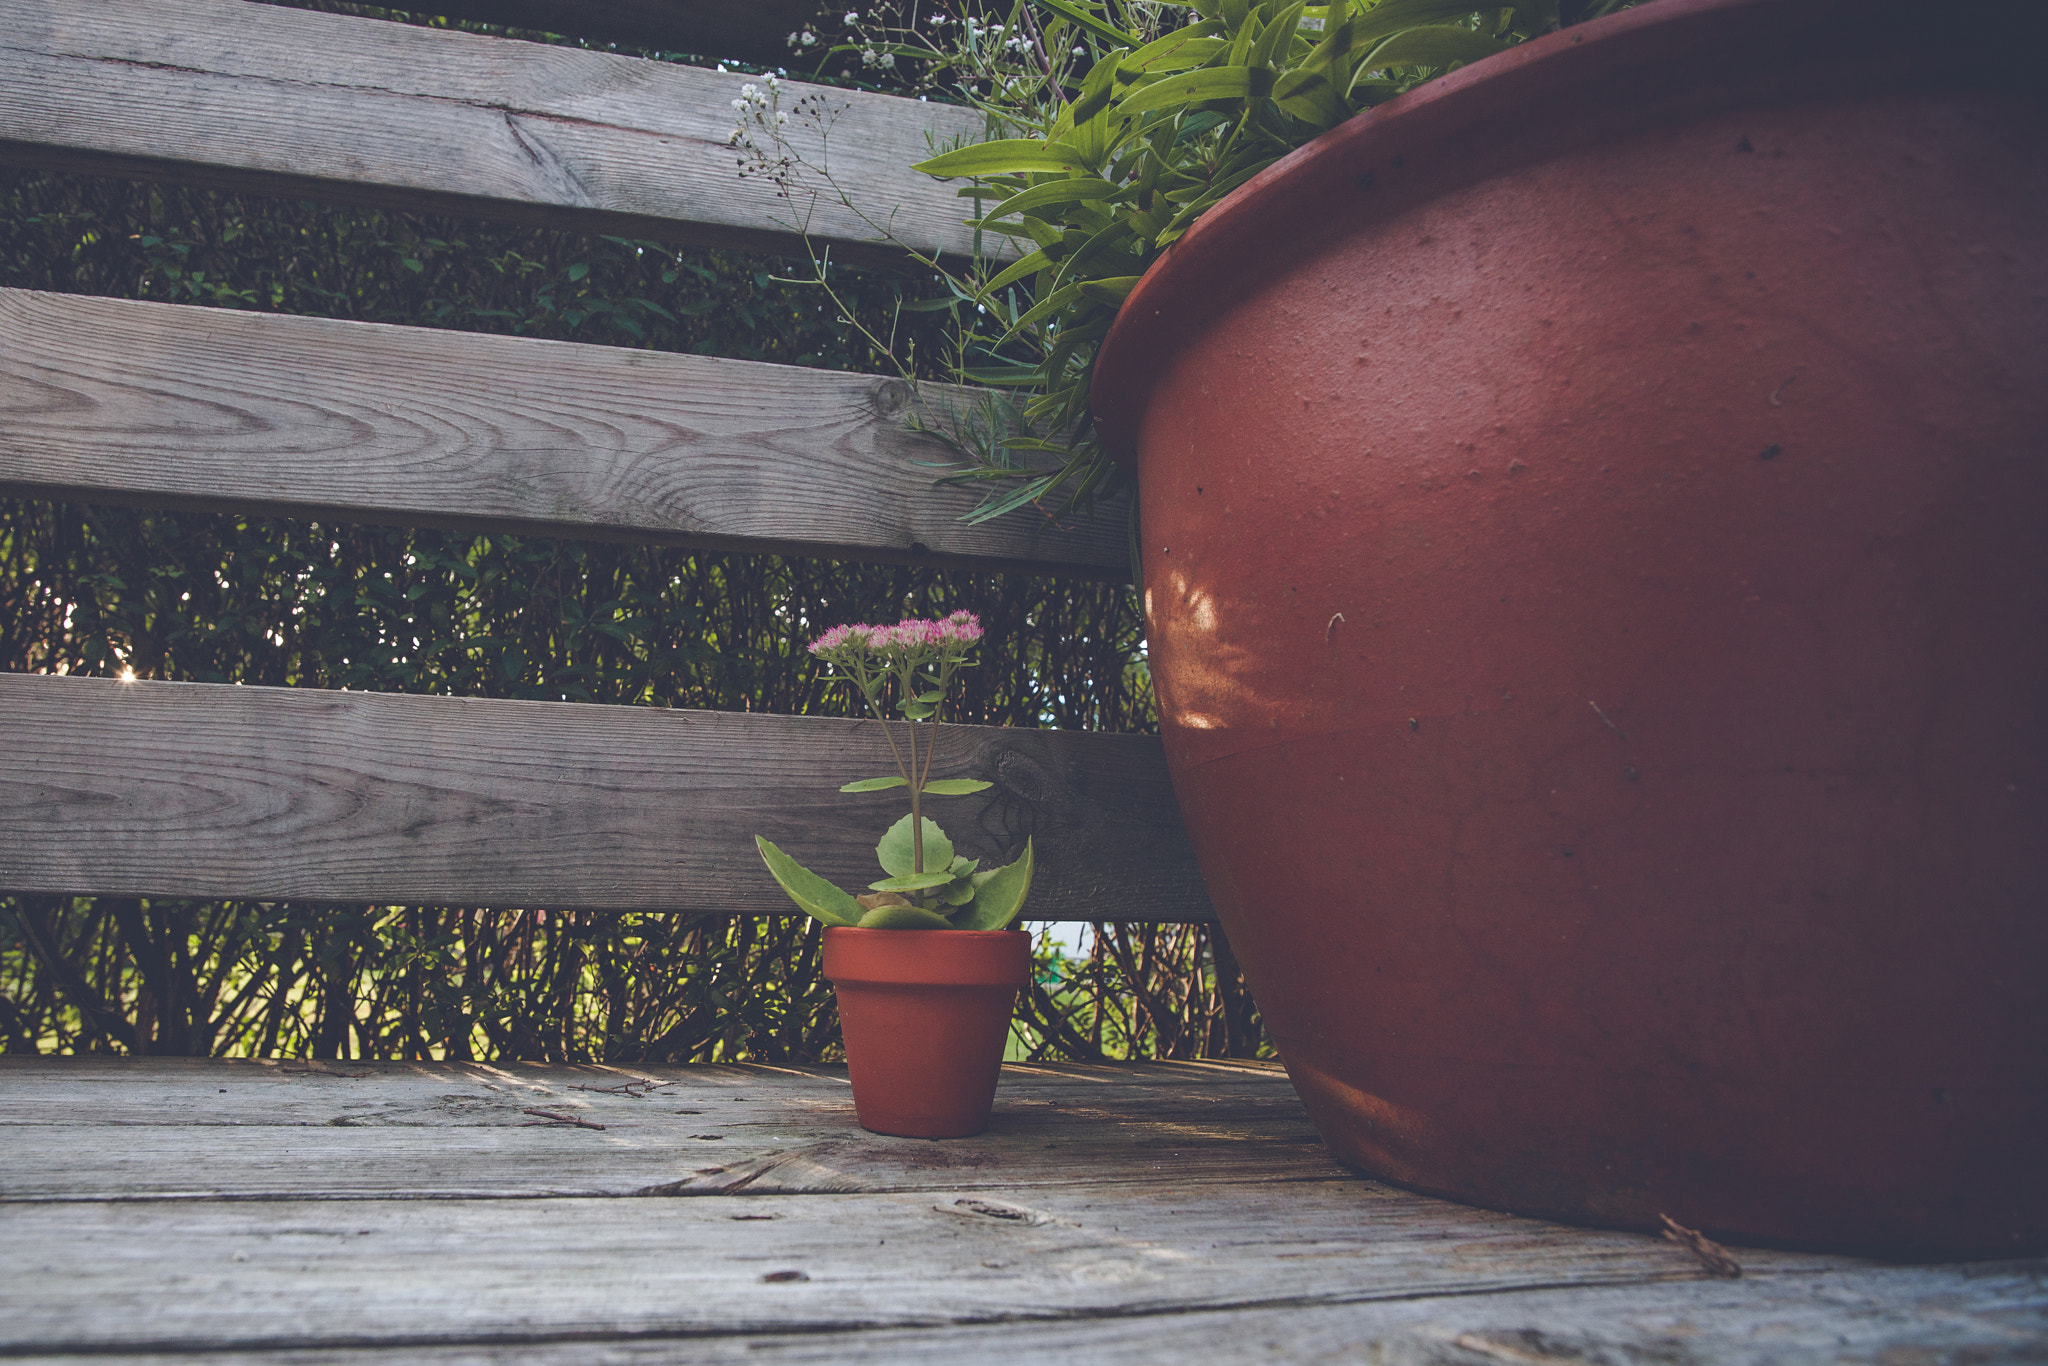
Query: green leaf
[[815, 896], [1431, 47], [1273, 38], [893, 853], [1197, 87], [959, 894], [875, 784], [904, 918], [1029, 265], [962, 866], [955, 787], [998, 899], [1088, 21], [912, 882], [916, 711], [1004, 156], [1177, 51], [1392, 16], [1066, 190], [1112, 290]]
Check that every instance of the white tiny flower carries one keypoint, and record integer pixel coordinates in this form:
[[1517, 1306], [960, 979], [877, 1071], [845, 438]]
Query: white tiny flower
[[748, 89], [781, 117], [791, 40], [739, 104], [852, 18], [809, 39], [1080, 51], [888, 59], [721, 66]]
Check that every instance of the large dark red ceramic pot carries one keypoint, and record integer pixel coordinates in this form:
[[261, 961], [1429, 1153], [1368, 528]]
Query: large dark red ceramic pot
[[1595, 522]]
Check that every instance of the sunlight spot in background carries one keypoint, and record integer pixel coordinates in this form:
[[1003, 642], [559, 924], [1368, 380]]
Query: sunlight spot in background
[[1073, 938], [127, 675]]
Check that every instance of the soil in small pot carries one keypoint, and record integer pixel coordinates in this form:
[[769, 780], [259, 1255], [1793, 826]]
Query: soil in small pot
[[925, 1015]]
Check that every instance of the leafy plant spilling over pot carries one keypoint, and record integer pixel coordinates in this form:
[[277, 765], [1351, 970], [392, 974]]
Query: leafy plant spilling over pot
[[928, 886], [1115, 126]]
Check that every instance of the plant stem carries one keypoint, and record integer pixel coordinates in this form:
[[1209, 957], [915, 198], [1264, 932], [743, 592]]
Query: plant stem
[[875, 706], [916, 815]]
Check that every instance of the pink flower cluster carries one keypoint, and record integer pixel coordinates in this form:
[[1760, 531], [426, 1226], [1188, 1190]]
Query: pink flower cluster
[[961, 628]]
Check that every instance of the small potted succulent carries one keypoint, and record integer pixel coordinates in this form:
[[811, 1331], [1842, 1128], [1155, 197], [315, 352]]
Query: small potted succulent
[[925, 964]]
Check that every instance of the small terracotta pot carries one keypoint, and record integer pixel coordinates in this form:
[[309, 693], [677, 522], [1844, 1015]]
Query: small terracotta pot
[[925, 1015]]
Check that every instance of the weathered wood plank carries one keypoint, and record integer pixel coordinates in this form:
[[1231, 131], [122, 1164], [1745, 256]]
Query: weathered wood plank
[[225, 1274], [1218, 1262], [1881, 1316], [284, 101], [166, 405], [755, 31], [164, 1129], [203, 790]]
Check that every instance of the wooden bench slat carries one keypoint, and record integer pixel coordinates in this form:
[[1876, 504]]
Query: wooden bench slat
[[170, 405], [217, 791], [745, 30], [284, 101]]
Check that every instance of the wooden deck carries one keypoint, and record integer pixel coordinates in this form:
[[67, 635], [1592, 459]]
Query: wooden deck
[[169, 1209]]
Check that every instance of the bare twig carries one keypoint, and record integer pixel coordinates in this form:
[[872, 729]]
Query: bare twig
[[625, 1088], [1710, 1254], [1335, 617], [323, 1072], [556, 1117]]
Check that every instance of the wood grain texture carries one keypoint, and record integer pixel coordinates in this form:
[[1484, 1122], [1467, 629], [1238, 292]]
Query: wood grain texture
[[284, 101], [752, 31], [929, 1251], [207, 790], [1865, 1317], [88, 1130], [167, 405]]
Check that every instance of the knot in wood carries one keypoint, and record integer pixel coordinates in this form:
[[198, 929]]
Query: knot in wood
[[890, 397]]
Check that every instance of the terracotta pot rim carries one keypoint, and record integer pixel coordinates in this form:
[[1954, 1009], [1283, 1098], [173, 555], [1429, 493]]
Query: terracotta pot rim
[[1229, 252], [971, 959]]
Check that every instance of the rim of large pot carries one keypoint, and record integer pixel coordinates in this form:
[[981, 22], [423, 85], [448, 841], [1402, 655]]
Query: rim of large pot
[[1609, 78]]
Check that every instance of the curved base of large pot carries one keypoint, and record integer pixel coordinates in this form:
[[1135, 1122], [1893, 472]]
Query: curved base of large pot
[[1804, 1177], [1594, 594]]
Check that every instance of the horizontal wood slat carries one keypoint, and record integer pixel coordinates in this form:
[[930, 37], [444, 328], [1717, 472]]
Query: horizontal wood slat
[[746, 30], [284, 101], [169, 405], [207, 790]]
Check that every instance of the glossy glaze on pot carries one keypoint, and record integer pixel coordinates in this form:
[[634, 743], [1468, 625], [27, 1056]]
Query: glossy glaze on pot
[[925, 1015], [1598, 602]]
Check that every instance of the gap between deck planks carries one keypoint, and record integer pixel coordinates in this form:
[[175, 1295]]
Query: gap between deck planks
[[1154, 1247], [219, 791], [169, 405], [270, 100]]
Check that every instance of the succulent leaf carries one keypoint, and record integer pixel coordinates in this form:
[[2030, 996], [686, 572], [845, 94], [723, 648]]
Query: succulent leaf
[[894, 852], [813, 894], [998, 900], [904, 918]]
